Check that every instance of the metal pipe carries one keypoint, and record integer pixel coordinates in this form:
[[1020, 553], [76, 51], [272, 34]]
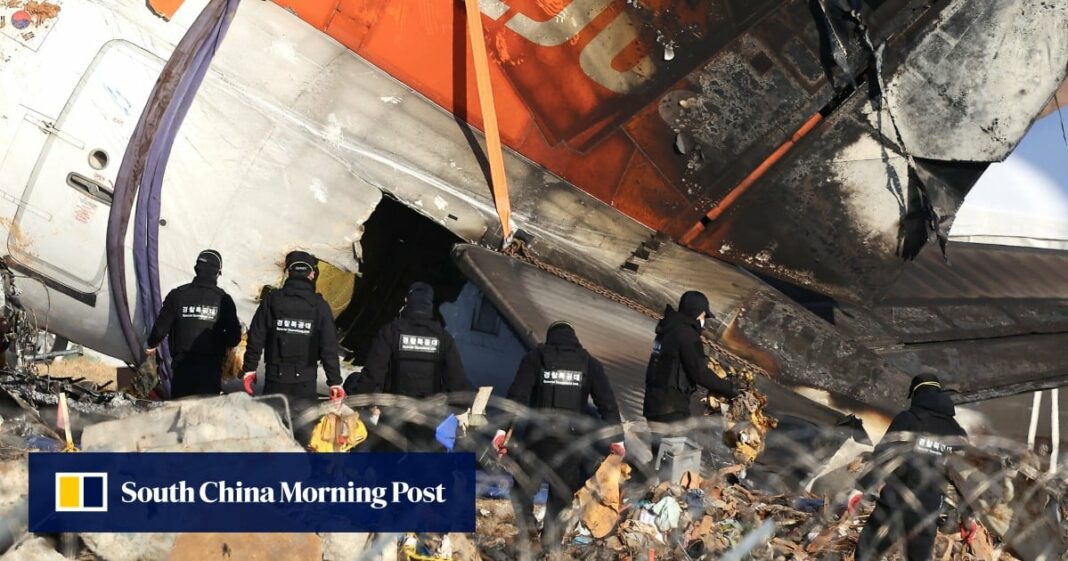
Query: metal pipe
[[1055, 427], [740, 189], [54, 354], [68, 545], [1036, 406]]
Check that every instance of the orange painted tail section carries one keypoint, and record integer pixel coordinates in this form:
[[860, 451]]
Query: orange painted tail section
[[165, 8], [573, 82]]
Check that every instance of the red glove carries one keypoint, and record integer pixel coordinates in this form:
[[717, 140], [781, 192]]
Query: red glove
[[855, 498], [249, 379], [618, 449], [968, 530], [499, 443], [337, 393]]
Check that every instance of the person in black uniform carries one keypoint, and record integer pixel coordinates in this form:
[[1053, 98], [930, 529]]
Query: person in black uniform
[[200, 321], [294, 328], [555, 380], [678, 364], [412, 356], [918, 441]]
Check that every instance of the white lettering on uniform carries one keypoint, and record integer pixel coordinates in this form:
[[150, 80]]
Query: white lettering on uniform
[[296, 327], [203, 313], [562, 377], [931, 446], [417, 344]]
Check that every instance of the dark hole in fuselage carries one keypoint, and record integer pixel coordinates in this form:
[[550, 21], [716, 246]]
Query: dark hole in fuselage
[[400, 246]]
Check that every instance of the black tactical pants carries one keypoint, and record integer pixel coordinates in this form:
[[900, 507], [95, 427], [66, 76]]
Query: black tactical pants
[[195, 375], [890, 525], [300, 394], [544, 457]]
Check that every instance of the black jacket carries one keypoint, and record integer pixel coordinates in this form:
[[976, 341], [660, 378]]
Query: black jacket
[[595, 382], [914, 451], [389, 370], [678, 368], [270, 333], [200, 321]]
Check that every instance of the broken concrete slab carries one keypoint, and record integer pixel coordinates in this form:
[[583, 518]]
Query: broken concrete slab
[[130, 547], [343, 546], [248, 547], [14, 486], [33, 549], [229, 423]]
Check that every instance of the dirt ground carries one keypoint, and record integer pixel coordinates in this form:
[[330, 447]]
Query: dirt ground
[[87, 367]]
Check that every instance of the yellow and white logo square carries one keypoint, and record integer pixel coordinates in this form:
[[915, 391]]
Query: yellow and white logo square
[[81, 492]]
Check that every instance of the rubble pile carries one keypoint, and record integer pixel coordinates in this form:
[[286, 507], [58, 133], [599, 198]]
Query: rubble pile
[[698, 518], [718, 515]]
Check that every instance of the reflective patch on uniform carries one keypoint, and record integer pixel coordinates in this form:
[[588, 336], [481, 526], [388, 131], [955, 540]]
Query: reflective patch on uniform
[[932, 446], [203, 313], [294, 326], [562, 377], [419, 343]]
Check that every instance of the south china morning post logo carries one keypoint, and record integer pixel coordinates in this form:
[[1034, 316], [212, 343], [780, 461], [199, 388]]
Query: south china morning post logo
[[295, 492], [81, 492], [251, 492]]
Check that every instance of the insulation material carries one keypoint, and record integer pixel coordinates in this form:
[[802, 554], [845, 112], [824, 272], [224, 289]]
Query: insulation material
[[336, 286]]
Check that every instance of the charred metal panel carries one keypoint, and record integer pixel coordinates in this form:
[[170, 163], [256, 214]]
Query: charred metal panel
[[993, 322], [859, 196], [983, 271], [985, 365], [750, 97], [910, 322], [802, 350], [833, 216], [975, 79], [985, 291]]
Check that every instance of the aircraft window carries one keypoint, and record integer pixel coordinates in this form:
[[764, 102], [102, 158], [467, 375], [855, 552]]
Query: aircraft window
[[90, 187], [98, 159]]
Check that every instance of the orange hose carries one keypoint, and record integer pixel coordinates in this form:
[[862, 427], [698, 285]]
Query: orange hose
[[734, 194], [498, 180]]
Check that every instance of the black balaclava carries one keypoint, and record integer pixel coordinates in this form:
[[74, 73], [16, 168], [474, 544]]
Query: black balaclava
[[561, 333], [923, 382], [420, 299], [208, 265]]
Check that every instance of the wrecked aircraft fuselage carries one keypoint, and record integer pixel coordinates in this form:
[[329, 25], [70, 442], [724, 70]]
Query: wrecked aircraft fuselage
[[788, 138]]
